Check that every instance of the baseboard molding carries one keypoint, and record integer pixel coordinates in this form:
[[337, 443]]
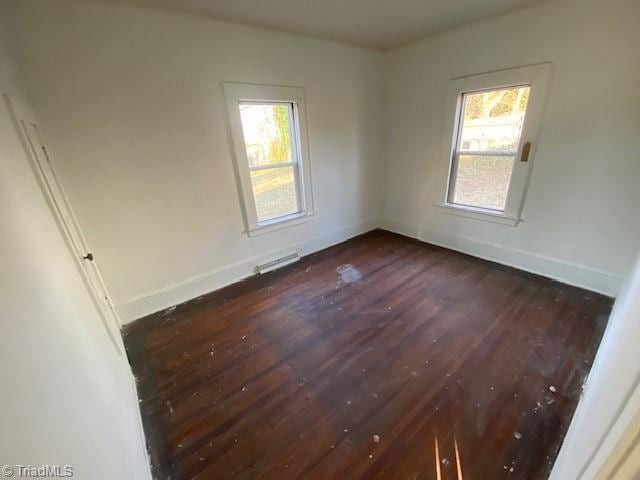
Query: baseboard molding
[[566, 272], [570, 273], [201, 284]]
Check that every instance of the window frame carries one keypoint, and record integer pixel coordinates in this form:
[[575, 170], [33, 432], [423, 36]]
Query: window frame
[[238, 93], [534, 76]]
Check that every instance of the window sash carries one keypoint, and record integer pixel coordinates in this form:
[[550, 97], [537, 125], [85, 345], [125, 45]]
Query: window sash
[[295, 155], [297, 187], [455, 161], [457, 150], [273, 165], [295, 163], [485, 153], [454, 176]]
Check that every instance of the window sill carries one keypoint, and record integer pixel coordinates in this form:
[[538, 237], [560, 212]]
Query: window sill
[[280, 223], [478, 214]]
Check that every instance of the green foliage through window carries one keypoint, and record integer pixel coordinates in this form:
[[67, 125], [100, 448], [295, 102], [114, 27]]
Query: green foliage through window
[[497, 103], [280, 147]]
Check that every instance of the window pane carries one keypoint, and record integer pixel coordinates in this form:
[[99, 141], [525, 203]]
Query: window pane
[[492, 120], [483, 181], [274, 191], [267, 133]]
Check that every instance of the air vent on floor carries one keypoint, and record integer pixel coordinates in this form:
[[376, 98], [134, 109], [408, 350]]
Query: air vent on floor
[[278, 262]]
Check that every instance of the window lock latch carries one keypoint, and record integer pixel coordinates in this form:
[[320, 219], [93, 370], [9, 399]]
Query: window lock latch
[[526, 149]]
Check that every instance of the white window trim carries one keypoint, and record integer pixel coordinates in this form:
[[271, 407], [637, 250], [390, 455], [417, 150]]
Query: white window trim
[[535, 76], [236, 93]]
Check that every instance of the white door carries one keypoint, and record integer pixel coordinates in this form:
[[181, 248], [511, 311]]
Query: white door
[[27, 127]]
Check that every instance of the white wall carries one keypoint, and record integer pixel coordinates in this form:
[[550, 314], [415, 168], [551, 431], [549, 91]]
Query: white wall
[[580, 215], [67, 396], [132, 106]]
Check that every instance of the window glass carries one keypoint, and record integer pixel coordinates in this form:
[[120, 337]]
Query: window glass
[[274, 191], [267, 133]]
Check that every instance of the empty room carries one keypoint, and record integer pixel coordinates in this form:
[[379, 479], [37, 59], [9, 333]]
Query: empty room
[[285, 239]]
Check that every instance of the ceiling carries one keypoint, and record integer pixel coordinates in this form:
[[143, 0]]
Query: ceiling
[[380, 24]]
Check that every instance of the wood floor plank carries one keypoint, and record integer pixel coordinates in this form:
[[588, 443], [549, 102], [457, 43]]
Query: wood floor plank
[[353, 362]]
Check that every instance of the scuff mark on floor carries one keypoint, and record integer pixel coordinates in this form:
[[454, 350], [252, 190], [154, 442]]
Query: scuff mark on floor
[[348, 273]]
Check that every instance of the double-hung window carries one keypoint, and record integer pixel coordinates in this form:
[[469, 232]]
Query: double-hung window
[[492, 125], [268, 127]]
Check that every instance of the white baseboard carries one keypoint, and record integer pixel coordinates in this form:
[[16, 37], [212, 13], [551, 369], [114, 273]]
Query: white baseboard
[[566, 272], [201, 284], [570, 273]]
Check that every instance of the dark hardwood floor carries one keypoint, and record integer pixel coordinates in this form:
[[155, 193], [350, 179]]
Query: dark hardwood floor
[[382, 357]]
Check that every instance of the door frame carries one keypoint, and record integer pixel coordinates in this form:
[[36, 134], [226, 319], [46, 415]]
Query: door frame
[[21, 113], [606, 422]]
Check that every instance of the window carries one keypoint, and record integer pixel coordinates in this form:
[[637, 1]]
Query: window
[[493, 124], [273, 167], [488, 138], [270, 144]]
